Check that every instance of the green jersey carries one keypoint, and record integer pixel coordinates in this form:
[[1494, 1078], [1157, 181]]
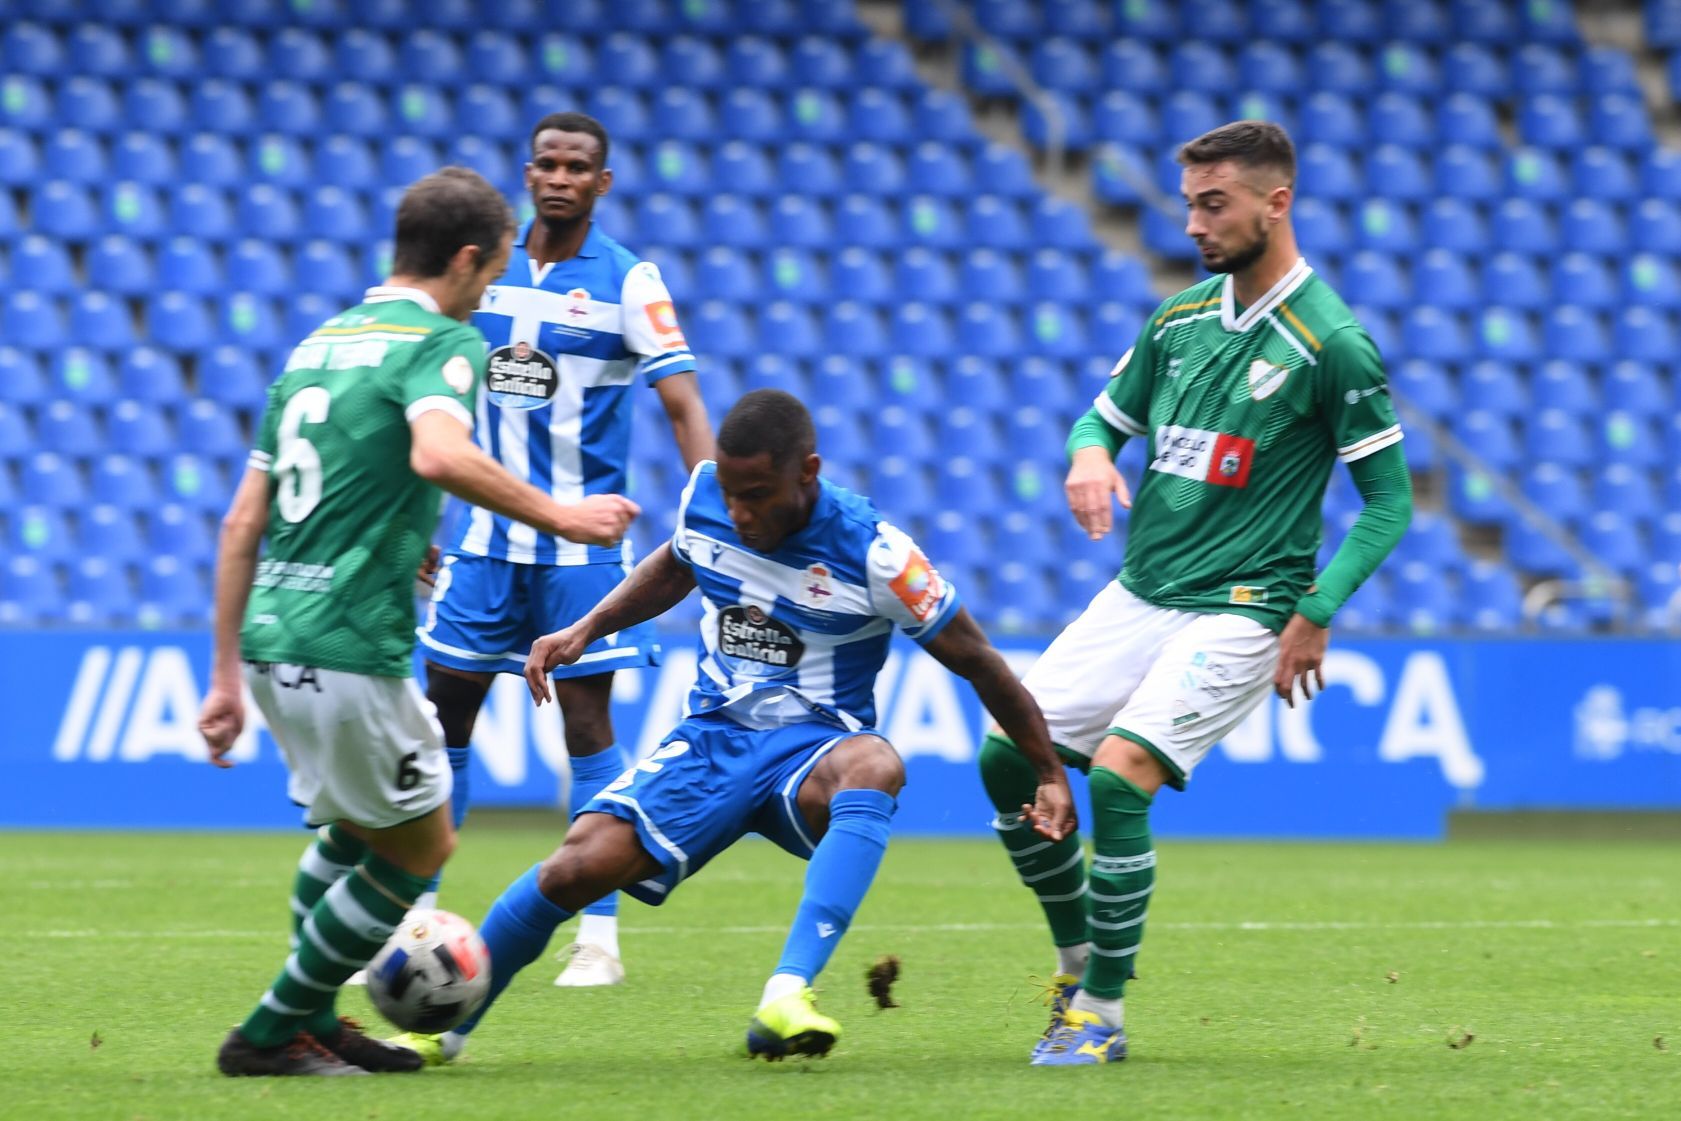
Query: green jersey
[[1247, 409], [349, 520]]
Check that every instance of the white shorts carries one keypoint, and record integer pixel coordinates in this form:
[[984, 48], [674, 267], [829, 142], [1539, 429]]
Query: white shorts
[[1174, 681], [363, 749]]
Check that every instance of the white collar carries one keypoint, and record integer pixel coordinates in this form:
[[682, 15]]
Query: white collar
[[1257, 311], [383, 294]]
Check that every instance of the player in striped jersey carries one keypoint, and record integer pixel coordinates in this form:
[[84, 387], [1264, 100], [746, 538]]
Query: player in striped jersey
[[1250, 386], [803, 583], [573, 324]]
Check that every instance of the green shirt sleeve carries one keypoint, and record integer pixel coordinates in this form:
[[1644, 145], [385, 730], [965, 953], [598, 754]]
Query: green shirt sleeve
[[1354, 395], [445, 374], [1122, 410], [1385, 486], [262, 452]]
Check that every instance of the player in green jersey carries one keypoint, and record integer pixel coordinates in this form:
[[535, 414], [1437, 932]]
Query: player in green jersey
[[371, 417], [1249, 386]]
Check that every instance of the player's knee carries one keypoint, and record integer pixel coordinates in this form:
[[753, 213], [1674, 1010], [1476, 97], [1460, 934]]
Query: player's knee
[[869, 763], [588, 734], [587, 866], [457, 700], [1005, 772]]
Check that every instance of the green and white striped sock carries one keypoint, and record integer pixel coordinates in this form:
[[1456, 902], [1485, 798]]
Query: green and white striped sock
[[341, 934], [1123, 874], [332, 856]]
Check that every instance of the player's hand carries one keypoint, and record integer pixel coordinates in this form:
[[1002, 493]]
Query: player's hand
[[428, 573], [561, 648], [1092, 480], [1052, 812], [1301, 656], [600, 519], [220, 721]]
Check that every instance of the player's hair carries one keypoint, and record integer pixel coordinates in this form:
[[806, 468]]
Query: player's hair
[[572, 122], [768, 420], [1253, 144], [448, 209]]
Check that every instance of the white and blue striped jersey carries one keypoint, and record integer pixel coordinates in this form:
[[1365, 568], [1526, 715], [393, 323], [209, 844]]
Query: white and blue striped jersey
[[799, 634], [566, 343]]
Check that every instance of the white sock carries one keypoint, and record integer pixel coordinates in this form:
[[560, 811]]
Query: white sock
[[1072, 959], [600, 930], [1108, 1012], [426, 901], [780, 985]]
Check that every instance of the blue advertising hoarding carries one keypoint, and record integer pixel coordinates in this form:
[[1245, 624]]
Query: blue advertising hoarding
[[100, 733]]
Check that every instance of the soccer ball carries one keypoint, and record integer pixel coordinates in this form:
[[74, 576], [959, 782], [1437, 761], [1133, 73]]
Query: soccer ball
[[432, 974]]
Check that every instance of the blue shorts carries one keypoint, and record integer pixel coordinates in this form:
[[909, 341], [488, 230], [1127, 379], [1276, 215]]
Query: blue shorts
[[485, 614], [712, 782]]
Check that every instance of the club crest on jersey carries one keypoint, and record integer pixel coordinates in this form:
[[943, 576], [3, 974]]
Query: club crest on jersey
[[1265, 378], [458, 374], [816, 587], [520, 376], [579, 307], [754, 645]]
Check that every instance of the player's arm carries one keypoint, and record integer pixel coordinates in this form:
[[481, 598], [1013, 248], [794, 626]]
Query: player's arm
[[963, 649], [1098, 436], [443, 453], [690, 426], [653, 587], [1354, 396], [222, 717]]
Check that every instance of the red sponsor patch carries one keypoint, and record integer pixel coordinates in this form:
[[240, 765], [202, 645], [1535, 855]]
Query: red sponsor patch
[[919, 586], [1229, 464], [662, 317]]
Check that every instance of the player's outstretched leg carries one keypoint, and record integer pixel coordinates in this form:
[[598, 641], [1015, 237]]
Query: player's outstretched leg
[[1123, 875], [294, 1029], [593, 959], [601, 854], [1055, 871], [864, 774]]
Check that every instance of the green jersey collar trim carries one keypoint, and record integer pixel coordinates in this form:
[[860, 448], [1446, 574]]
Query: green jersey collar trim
[[384, 294], [1288, 283]]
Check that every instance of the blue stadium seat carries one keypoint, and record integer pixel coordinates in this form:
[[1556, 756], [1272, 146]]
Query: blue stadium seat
[[1403, 172], [1666, 538], [727, 274], [985, 274], [1626, 491], [1522, 226], [157, 102], [1506, 334], [1620, 120], [874, 168], [1492, 599], [794, 274], [209, 429], [1558, 490], [1615, 541], [1650, 280], [31, 48], [1574, 334], [1630, 438], [44, 265], [754, 63], [933, 222], [17, 436], [95, 315], [83, 376], [983, 69], [867, 222], [140, 429], [1563, 385], [1608, 70], [925, 274], [29, 592], [809, 169], [841, 380], [1447, 223], [1541, 69], [233, 52], [1495, 387], [1195, 64], [1591, 226], [1660, 173], [64, 211], [262, 206], [40, 532], [110, 532], [818, 117], [354, 109], [214, 160], [123, 481], [173, 592], [23, 380], [903, 485], [30, 319], [1585, 280], [83, 102], [1492, 436], [305, 312], [1515, 280], [1551, 121], [1659, 223], [920, 330], [773, 371], [1425, 386], [1560, 438], [1186, 114], [1644, 335], [989, 331], [48, 479], [179, 531], [672, 216], [1329, 119], [862, 275], [150, 376], [1531, 550], [1132, 65], [1447, 278], [1324, 172], [884, 63], [249, 320], [179, 321], [20, 159], [1638, 388], [98, 593], [119, 265], [1532, 173], [679, 168], [1604, 173], [75, 157], [187, 264], [1386, 226], [718, 327], [1399, 118], [746, 170], [731, 220], [1063, 65], [224, 107]]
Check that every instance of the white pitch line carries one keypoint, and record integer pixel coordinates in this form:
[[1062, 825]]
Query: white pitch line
[[982, 927]]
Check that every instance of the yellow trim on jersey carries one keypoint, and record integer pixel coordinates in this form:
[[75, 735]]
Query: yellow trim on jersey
[[1301, 328], [1184, 307], [366, 327]]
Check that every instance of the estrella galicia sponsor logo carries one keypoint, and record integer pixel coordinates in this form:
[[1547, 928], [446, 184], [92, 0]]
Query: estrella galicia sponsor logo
[[756, 644], [520, 376]]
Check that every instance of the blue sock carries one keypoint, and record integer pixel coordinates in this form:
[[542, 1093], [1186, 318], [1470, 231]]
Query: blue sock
[[516, 931], [840, 872], [590, 775], [458, 757]]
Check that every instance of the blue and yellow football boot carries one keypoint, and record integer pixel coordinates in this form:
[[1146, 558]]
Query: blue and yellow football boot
[[1081, 1040], [791, 1025], [1059, 994]]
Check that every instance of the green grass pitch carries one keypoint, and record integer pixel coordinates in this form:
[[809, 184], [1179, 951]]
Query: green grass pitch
[[1472, 979]]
